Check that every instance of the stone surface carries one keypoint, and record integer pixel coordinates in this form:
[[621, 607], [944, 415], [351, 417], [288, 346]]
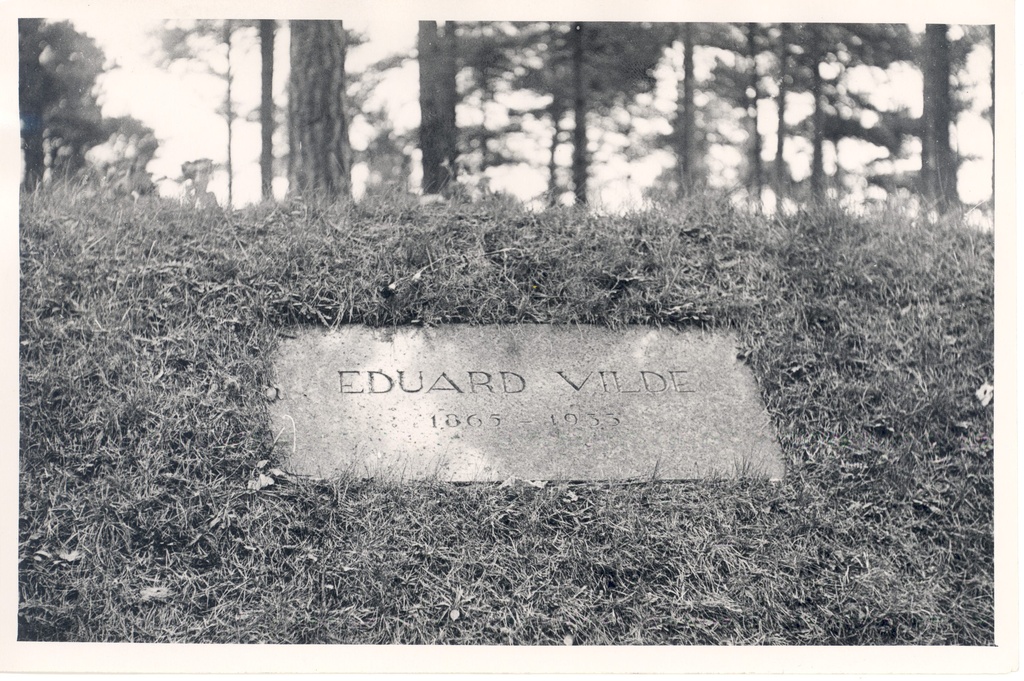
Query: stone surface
[[538, 402]]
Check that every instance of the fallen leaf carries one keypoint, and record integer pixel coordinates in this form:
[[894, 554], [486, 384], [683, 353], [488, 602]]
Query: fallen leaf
[[513, 481], [568, 640], [261, 463], [263, 481], [154, 593], [985, 394], [454, 614], [70, 556]]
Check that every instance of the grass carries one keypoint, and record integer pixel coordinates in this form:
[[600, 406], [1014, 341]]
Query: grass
[[146, 337]]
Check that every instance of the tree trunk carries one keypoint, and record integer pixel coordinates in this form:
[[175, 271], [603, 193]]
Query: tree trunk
[[320, 156], [686, 116], [992, 109], [438, 96], [938, 160], [485, 136], [579, 133], [781, 171], [450, 71], [229, 112], [756, 172], [556, 119], [267, 28], [818, 139], [30, 86]]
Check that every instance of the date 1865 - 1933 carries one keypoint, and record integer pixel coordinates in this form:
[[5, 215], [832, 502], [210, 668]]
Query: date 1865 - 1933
[[591, 419]]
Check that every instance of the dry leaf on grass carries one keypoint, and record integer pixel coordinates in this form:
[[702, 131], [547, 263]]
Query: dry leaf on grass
[[513, 481], [154, 593], [985, 394], [263, 481]]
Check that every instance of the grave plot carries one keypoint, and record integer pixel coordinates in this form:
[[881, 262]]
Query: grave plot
[[165, 354]]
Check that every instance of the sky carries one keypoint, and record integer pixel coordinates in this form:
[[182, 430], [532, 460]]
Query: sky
[[179, 103]]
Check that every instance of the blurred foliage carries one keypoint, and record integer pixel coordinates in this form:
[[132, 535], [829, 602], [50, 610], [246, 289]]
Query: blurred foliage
[[515, 100], [61, 118], [121, 161], [59, 112]]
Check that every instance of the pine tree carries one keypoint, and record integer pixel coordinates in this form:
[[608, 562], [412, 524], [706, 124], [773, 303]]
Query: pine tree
[[938, 162], [60, 117], [438, 97], [205, 41], [32, 96], [781, 174], [488, 52], [817, 56], [755, 177], [579, 109], [729, 88], [815, 59], [267, 28], [685, 146], [319, 151]]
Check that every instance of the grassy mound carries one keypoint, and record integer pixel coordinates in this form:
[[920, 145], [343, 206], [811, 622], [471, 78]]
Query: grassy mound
[[146, 337]]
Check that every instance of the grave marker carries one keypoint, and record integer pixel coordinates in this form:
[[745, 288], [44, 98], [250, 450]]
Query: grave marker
[[534, 401]]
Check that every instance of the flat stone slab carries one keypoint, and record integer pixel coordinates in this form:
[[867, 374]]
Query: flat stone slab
[[539, 402]]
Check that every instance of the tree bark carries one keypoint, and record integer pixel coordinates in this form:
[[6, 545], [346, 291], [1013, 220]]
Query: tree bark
[[267, 28], [449, 62], [818, 118], [556, 120], [485, 136], [320, 156], [30, 85], [992, 109], [579, 133], [938, 162], [686, 116], [229, 112], [438, 97], [755, 181], [781, 171]]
